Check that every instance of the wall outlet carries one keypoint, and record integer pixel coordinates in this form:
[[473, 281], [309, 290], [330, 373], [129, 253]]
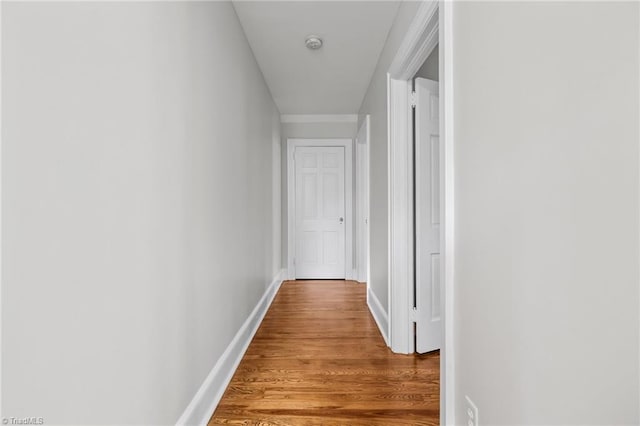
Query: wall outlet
[[472, 412]]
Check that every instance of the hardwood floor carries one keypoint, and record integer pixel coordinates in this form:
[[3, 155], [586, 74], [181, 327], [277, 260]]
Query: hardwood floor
[[319, 359]]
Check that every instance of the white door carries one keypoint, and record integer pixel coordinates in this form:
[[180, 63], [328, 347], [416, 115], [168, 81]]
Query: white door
[[362, 206], [320, 212], [427, 205]]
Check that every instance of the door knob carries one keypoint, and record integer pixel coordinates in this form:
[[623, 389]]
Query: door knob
[[341, 220]]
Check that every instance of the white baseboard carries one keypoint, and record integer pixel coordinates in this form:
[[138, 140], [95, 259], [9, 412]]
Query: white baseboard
[[205, 401], [379, 314]]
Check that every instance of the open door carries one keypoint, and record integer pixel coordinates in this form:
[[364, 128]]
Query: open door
[[427, 216]]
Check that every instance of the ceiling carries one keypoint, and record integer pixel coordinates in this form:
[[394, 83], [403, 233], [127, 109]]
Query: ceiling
[[332, 80]]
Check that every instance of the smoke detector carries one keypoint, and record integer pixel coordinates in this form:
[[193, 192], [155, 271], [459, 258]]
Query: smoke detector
[[313, 42]]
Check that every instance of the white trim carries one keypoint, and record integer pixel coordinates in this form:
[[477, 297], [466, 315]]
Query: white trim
[[291, 220], [400, 217], [379, 315], [447, 229], [419, 41], [206, 399], [319, 118], [363, 204], [348, 193], [1, 231], [639, 235]]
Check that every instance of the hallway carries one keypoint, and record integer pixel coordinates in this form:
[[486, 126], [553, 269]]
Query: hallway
[[318, 358], [169, 168]]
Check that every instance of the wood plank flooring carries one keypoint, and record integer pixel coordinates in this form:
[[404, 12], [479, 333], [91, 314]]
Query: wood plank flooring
[[319, 359]]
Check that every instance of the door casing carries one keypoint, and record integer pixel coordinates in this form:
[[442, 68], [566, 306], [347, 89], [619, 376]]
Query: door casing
[[292, 144], [362, 202]]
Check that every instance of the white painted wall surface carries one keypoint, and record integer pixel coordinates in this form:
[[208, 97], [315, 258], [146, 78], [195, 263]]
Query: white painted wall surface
[[276, 191], [430, 69], [546, 175], [375, 103], [307, 131], [137, 204]]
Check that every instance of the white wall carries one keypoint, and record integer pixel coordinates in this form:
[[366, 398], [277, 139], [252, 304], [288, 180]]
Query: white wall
[[309, 131], [139, 214], [431, 67], [375, 103], [277, 207], [546, 180]]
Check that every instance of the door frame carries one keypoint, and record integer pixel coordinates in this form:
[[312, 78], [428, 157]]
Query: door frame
[[347, 144], [362, 203], [432, 25]]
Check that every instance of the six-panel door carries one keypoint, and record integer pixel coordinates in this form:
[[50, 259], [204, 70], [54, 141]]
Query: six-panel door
[[320, 212], [427, 191]]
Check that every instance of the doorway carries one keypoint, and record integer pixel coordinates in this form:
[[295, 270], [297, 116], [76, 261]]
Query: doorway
[[320, 205], [431, 27]]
